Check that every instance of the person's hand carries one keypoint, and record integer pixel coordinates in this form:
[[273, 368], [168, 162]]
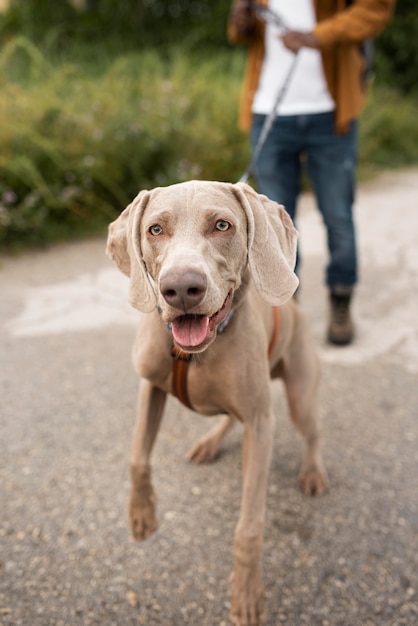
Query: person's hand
[[242, 17], [294, 40]]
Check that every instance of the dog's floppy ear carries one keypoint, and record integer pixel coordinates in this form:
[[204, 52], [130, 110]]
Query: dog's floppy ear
[[272, 242], [124, 248]]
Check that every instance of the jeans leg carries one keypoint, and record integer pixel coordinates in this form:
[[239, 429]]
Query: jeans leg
[[331, 163], [277, 171]]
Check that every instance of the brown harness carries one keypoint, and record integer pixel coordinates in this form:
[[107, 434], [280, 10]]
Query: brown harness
[[181, 361]]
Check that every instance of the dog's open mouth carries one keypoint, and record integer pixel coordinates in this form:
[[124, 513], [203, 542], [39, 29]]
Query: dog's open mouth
[[194, 331]]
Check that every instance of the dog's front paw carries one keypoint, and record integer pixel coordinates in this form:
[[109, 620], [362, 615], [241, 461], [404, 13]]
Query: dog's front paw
[[142, 515], [247, 598], [314, 480]]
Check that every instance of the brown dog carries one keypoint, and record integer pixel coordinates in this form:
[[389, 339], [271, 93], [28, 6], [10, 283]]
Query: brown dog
[[204, 257]]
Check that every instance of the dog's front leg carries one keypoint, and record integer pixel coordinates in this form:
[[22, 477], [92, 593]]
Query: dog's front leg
[[142, 507], [247, 603]]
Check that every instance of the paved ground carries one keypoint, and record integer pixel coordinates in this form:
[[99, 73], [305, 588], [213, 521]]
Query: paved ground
[[67, 403]]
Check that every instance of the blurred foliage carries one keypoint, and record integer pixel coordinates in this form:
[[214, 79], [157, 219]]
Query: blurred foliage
[[130, 24], [397, 50], [77, 146], [388, 132], [136, 24]]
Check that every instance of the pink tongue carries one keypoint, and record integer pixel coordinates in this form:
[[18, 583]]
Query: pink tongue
[[190, 330]]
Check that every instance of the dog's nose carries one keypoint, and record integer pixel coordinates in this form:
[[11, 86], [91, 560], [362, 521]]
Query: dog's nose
[[183, 289]]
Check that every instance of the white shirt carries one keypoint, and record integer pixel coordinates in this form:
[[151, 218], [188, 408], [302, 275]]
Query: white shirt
[[307, 91]]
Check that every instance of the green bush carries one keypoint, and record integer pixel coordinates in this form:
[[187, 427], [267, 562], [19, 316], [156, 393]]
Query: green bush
[[79, 140], [127, 25], [77, 145], [397, 49], [388, 131]]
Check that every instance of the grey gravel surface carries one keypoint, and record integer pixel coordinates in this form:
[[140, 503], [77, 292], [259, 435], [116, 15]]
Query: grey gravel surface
[[67, 407]]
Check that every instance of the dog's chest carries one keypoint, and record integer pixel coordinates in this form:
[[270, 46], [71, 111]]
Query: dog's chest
[[207, 392]]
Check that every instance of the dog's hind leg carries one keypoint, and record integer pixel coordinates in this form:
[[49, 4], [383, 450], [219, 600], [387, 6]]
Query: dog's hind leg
[[207, 447], [301, 378], [151, 402]]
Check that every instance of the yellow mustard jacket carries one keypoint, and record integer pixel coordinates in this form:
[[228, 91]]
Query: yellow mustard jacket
[[339, 31]]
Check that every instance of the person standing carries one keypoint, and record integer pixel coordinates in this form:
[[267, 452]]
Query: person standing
[[316, 125]]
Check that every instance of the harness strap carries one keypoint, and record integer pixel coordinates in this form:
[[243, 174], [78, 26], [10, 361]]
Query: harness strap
[[181, 361]]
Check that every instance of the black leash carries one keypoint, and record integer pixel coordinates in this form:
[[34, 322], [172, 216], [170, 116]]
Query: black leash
[[267, 15]]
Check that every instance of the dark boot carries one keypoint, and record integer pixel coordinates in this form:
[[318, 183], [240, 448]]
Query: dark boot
[[341, 327]]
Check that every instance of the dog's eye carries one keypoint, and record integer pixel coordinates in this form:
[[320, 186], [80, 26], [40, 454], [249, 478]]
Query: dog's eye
[[222, 225], [155, 230]]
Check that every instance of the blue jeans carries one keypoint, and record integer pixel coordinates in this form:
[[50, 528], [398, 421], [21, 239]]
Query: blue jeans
[[330, 161]]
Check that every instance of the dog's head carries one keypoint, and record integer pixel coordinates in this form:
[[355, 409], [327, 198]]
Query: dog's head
[[187, 247]]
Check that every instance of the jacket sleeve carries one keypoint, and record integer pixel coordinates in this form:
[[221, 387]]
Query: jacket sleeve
[[361, 20]]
